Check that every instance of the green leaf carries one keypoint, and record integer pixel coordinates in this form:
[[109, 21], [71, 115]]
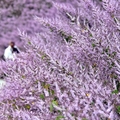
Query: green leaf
[[23, 76], [42, 96], [52, 92], [29, 42], [118, 109], [27, 107], [84, 119], [115, 92], [90, 35], [51, 107], [59, 117], [93, 45], [47, 86], [55, 102], [70, 73], [43, 56]]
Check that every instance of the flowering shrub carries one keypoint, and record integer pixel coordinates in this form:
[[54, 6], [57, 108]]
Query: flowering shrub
[[70, 70]]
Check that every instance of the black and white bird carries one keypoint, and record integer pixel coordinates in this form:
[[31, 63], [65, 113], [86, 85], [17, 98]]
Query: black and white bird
[[10, 51]]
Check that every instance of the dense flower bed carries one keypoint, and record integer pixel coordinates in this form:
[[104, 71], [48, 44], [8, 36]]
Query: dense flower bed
[[71, 68]]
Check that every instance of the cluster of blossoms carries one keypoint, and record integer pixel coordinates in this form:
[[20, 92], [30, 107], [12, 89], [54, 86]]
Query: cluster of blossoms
[[71, 69]]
